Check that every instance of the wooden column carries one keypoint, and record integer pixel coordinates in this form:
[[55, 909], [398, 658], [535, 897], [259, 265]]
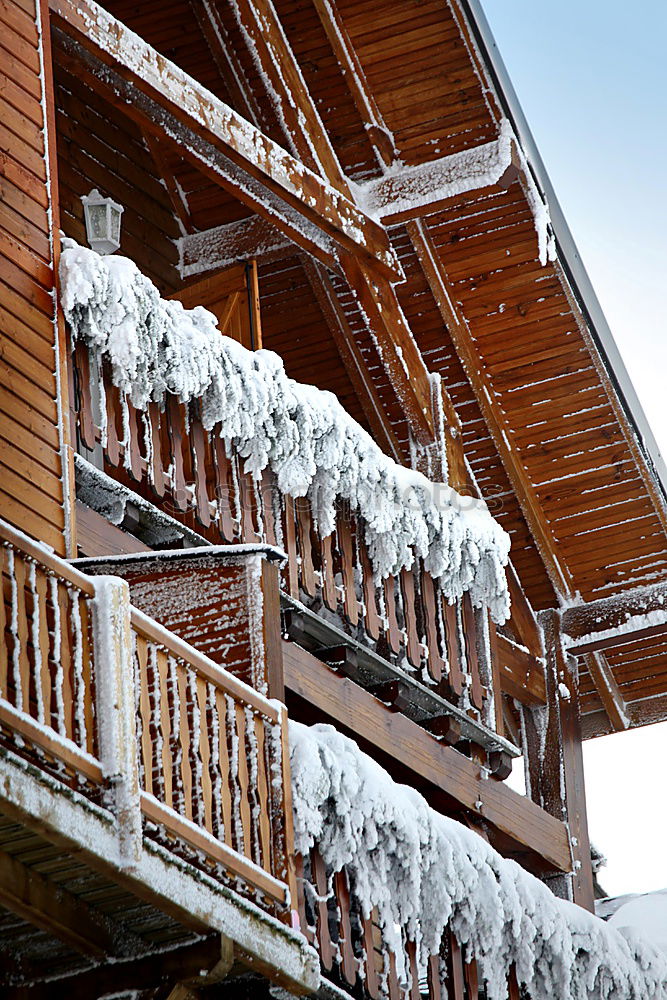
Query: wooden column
[[554, 760]]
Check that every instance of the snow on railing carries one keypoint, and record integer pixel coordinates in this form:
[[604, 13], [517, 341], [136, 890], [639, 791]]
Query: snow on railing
[[46, 660], [212, 769], [158, 352], [104, 698], [395, 895]]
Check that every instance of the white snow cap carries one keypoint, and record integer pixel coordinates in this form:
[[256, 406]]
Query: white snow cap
[[311, 443], [423, 871]]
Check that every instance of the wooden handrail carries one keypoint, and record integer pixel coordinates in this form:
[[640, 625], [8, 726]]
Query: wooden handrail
[[48, 559], [213, 672]]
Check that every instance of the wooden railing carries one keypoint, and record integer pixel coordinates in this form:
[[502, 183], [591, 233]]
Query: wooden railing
[[83, 675], [168, 457], [47, 688], [355, 956], [213, 770]]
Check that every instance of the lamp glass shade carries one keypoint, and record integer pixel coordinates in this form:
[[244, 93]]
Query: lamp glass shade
[[102, 216]]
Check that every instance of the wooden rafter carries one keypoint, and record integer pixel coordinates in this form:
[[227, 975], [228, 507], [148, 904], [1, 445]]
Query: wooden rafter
[[287, 91], [304, 130], [380, 136], [352, 358], [612, 621], [494, 417], [608, 690], [225, 58], [156, 148], [169, 103]]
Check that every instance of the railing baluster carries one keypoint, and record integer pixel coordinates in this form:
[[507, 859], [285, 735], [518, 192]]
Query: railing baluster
[[393, 631], [206, 788], [263, 795], [290, 544], [347, 959], [470, 635], [221, 711], [304, 525], [370, 964], [455, 969], [201, 484], [346, 548], [78, 679], [66, 661], [408, 591], [156, 468], [184, 738], [453, 653], [163, 722], [371, 616], [435, 661], [325, 946], [224, 490], [434, 978], [234, 762], [243, 780], [328, 577], [145, 712], [43, 679]]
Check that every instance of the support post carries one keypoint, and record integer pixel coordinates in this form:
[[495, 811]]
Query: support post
[[116, 712], [554, 762]]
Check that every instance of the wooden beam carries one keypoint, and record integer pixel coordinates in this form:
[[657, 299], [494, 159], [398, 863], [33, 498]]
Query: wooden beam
[[444, 768], [96, 536], [286, 89], [305, 132], [43, 903], [395, 344], [608, 690], [225, 58], [521, 673], [352, 358], [413, 192], [150, 972], [169, 103], [380, 136], [159, 152], [522, 616], [494, 417], [611, 621], [254, 238]]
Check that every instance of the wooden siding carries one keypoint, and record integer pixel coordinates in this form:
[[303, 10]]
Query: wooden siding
[[31, 473]]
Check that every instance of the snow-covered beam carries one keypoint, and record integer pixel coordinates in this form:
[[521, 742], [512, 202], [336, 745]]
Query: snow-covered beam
[[163, 99], [254, 238], [608, 691], [410, 192], [613, 621]]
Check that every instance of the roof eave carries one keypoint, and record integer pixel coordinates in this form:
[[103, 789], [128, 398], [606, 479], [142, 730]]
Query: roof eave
[[568, 253]]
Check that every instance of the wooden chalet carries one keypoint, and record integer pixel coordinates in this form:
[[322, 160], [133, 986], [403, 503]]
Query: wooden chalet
[[349, 184]]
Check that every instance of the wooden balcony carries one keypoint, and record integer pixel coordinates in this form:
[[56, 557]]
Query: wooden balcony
[[434, 660], [355, 957], [127, 753]]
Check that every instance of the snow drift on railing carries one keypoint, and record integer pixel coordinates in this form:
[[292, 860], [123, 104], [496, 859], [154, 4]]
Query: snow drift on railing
[[424, 871], [312, 445]]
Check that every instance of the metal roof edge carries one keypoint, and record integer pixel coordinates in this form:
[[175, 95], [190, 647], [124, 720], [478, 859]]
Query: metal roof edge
[[568, 253]]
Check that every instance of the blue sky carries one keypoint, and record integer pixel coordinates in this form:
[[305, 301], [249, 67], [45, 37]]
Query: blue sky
[[592, 79]]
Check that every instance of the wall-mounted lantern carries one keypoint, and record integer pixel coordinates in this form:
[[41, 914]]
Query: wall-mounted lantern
[[102, 222]]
